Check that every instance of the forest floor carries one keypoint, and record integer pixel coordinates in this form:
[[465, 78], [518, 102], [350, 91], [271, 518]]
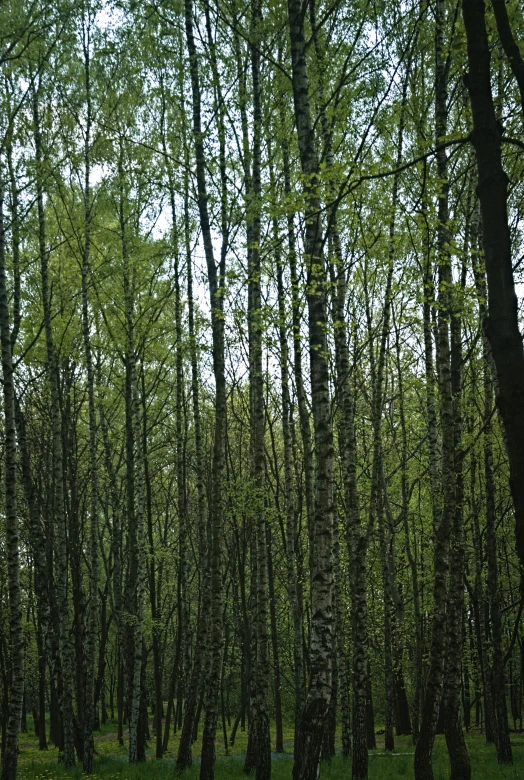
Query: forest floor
[[111, 761]]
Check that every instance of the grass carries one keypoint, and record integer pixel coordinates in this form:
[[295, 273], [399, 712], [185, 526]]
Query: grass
[[111, 762]]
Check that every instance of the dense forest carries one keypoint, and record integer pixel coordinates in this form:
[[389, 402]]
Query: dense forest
[[262, 441]]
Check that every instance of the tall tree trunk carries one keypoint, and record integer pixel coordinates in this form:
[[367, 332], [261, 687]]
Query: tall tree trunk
[[424, 747], [307, 752], [303, 410], [496, 682], [502, 327], [201, 655], [356, 537], [92, 612], [66, 660], [458, 752], [216, 281], [254, 205], [408, 546], [183, 639], [155, 585], [137, 726], [116, 549], [16, 631], [137, 585], [291, 537], [347, 443], [46, 638]]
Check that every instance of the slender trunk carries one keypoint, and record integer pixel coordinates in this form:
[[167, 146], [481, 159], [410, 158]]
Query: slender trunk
[[341, 659], [74, 546], [307, 752], [155, 586], [116, 548], [303, 410], [137, 585], [66, 699], [171, 698], [289, 488], [479, 603], [216, 281], [458, 753], [254, 205], [389, 679], [357, 540], [184, 670], [279, 735], [424, 747], [409, 552], [16, 631], [92, 613], [42, 739], [196, 684], [137, 726], [46, 638], [100, 683]]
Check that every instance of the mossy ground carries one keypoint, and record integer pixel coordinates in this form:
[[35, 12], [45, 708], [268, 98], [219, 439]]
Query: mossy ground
[[111, 761]]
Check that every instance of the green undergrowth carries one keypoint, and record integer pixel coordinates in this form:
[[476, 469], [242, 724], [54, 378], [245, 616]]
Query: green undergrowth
[[111, 761]]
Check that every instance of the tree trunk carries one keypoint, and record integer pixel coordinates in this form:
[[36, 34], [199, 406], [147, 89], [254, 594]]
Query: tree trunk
[[279, 735], [307, 751], [411, 560], [100, 683], [183, 639], [458, 752], [389, 678], [509, 44], [257, 418], [66, 703], [198, 670], [115, 586], [92, 612], [498, 687], [496, 684], [502, 327], [136, 487], [424, 747], [216, 283], [289, 488], [16, 631]]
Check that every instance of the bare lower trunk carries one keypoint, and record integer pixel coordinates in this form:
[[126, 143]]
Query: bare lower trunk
[[502, 741], [456, 744], [496, 705], [389, 679]]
